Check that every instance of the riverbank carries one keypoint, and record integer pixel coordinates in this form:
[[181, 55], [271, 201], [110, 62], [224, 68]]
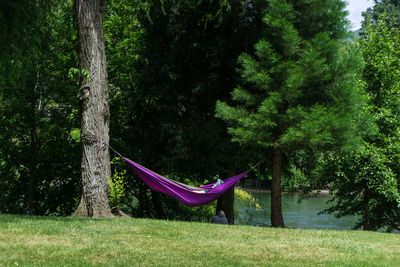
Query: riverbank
[[298, 212], [49, 241], [322, 192]]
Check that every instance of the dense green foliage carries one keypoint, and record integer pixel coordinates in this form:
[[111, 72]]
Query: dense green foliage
[[300, 90], [38, 165], [368, 182], [391, 9], [117, 186], [165, 77]]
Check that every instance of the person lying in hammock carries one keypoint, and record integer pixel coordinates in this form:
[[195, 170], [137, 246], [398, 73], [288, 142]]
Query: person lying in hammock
[[203, 191]]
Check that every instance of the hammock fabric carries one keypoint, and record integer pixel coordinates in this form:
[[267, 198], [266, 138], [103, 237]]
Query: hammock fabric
[[188, 195]]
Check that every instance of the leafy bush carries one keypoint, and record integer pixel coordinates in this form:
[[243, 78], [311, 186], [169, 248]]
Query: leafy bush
[[116, 186], [249, 202]]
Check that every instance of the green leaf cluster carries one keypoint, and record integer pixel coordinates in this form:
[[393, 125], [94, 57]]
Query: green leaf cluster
[[116, 187], [247, 198], [368, 182], [39, 161], [391, 9]]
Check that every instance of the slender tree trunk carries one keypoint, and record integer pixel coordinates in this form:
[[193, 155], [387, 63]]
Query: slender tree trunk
[[227, 202], [367, 225], [276, 192], [93, 97], [32, 173], [32, 122]]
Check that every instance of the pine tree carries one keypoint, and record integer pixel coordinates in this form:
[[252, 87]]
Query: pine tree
[[300, 90]]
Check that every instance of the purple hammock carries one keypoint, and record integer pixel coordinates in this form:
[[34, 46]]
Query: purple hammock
[[188, 195]]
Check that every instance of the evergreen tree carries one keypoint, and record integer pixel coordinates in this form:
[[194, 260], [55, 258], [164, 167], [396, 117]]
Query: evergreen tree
[[300, 90]]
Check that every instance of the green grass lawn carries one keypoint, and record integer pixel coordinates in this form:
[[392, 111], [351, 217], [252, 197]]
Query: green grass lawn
[[30, 241]]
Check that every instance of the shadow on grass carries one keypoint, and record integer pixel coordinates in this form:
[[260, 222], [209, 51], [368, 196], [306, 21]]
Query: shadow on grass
[[14, 218]]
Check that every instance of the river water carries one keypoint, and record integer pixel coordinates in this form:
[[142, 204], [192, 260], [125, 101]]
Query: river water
[[304, 214]]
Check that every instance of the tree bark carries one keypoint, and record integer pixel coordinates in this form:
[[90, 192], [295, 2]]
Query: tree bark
[[93, 98], [276, 191], [226, 202]]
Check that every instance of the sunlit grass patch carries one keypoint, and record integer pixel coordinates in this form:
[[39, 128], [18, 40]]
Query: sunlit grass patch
[[35, 241]]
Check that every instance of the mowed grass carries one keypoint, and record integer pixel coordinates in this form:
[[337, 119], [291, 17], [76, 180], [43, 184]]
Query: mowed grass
[[49, 241]]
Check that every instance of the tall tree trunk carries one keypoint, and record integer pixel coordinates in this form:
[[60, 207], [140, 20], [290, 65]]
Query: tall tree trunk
[[93, 97], [276, 194], [227, 202]]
